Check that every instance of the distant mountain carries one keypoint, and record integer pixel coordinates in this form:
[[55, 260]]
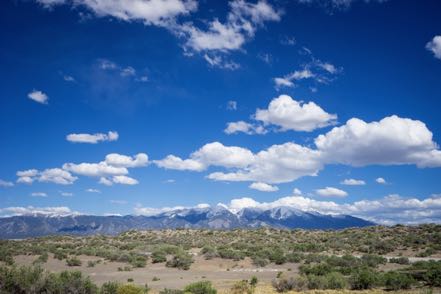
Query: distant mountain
[[217, 217]]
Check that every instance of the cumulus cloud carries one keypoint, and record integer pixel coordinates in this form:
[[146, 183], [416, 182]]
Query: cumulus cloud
[[215, 154], [124, 180], [118, 160], [31, 210], [38, 96], [289, 114], [331, 192], [51, 175], [390, 141], [244, 127], [277, 164], [95, 169], [353, 182], [6, 184], [92, 138], [381, 181], [263, 187], [435, 46]]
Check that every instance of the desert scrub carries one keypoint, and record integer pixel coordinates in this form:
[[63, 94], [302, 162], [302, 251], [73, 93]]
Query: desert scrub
[[182, 260], [73, 261], [202, 287]]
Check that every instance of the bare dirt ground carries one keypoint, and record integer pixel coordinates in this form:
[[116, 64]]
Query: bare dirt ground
[[222, 273]]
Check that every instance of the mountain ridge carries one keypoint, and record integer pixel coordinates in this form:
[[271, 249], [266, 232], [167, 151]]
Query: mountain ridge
[[283, 217]]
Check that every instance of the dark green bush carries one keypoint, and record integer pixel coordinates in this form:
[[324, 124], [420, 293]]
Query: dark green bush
[[364, 279], [202, 287], [397, 281]]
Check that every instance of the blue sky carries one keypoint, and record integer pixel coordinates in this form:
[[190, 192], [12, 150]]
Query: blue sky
[[324, 91]]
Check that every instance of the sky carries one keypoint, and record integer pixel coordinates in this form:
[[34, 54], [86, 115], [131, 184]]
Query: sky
[[141, 106]]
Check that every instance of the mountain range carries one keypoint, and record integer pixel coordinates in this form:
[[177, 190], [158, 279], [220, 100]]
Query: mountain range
[[217, 217]]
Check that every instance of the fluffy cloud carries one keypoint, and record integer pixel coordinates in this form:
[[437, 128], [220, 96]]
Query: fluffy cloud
[[244, 127], [38, 96], [95, 169], [118, 160], [353, 182], [331, 192], [263, 187], [435, 46], [177, 163], [390, 141], [290, 114], [210, 154], [5, 184], [277, 164], [124, 180], [150, 12], [51, 175], [381, 181], [92, 138], [31, 210]]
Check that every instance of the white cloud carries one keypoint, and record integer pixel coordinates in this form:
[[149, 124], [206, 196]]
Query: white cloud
[[150, 12], [38, 194], [128, 72], [118, 160], [90, 190], [210, 154], [105, 181], [288, 80], [296, 191], [242, 21], [124, 180], [263, 187], [31, 210], [119, 202], [244, 127], [289, 41], [277, 164], [435, 46], [95, 169], [66, 194], [381, 181], [51, 175], [331, 5], [6, 184], [177, 163], [391, 141], [92, 138], [232, 105], [331, 192], [139, 210], [220, 62], [68, 78], [38, 96], [353, 182], [290, 114]]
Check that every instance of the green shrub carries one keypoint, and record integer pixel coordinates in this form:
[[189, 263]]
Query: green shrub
[[158, 257], [397, 281], [363, 279], [372, 260], [73, 261], [182, 261], [335, 280], [399, 260], [284, 285], [202, 287], [171, 291], [131, 289], [42, 258], [109, 288]]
